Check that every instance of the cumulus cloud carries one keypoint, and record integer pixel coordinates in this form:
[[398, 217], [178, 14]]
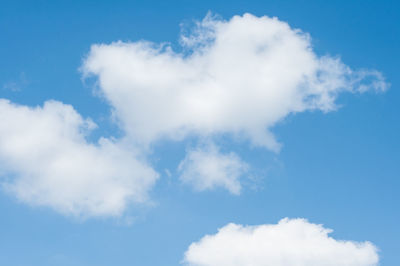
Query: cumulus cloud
[[290, 242], [236, 77], [239, 77], [45, 160], [207, 168]]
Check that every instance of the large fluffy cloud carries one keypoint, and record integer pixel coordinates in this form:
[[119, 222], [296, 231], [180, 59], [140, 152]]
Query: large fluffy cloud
[[288, 243], [239, 77], [46, 160]]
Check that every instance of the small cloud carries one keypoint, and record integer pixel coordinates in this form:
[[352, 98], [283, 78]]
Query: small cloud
[[18, 85], [207, 168], [168, 172], [11, 86]]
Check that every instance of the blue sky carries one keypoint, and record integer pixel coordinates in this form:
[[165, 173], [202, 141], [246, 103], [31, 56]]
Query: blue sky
[[338, 168]]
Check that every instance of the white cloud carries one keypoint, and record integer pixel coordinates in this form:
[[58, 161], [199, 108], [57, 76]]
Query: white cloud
[[239, 77], [288, 243], [206, 168], [48, 162]]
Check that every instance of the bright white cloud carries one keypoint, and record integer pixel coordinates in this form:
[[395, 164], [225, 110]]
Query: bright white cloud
[[288, 243], [237, 77], [48, 162], [206, 168], [240, 77]]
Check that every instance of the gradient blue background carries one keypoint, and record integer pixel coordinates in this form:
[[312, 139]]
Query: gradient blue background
[[340, 169]]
